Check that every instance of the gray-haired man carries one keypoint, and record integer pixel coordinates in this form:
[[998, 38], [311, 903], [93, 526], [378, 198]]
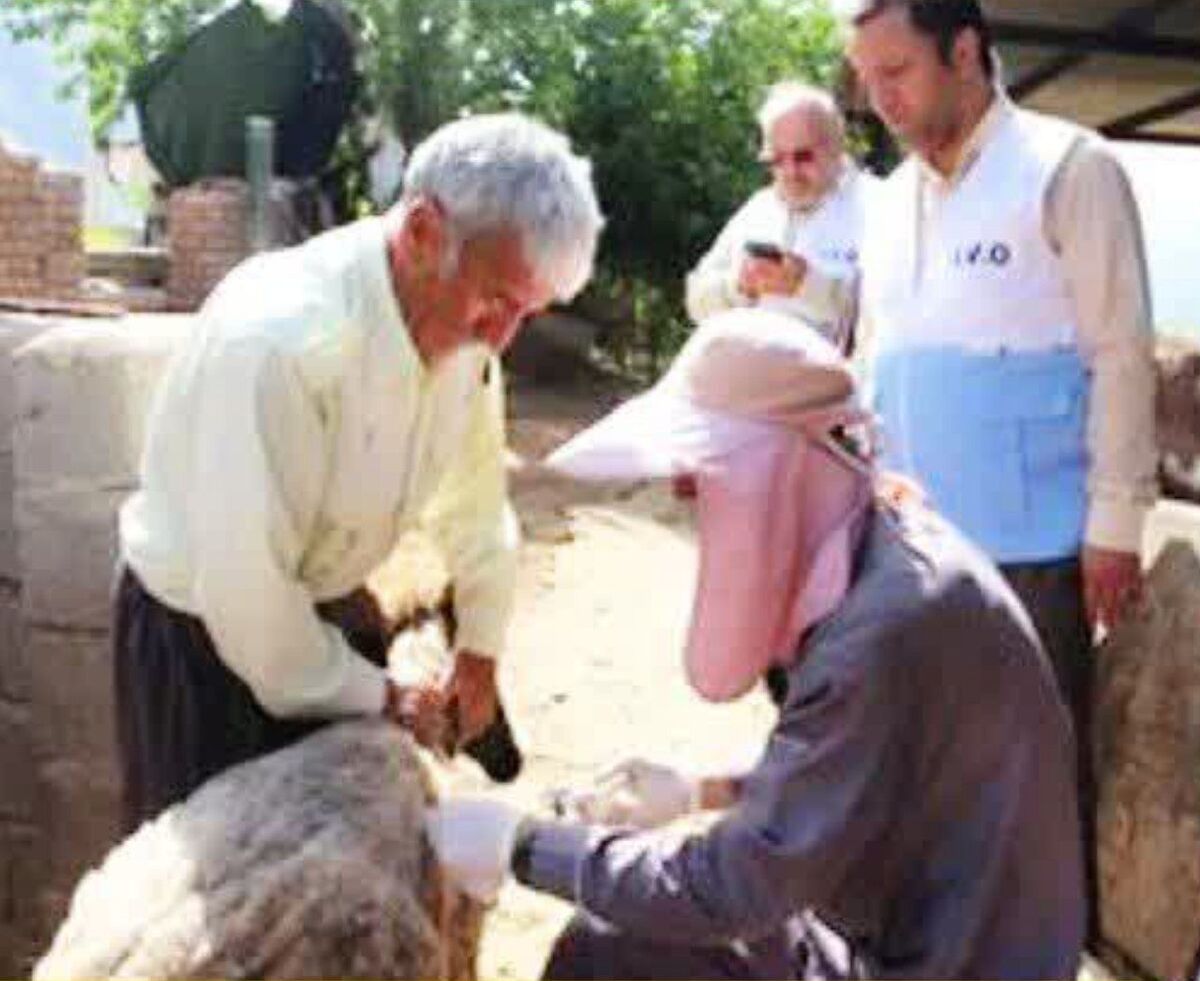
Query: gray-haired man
[[813, 212], [329, 397]]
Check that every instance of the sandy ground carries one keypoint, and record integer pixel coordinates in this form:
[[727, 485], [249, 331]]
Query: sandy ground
[[593, 671]]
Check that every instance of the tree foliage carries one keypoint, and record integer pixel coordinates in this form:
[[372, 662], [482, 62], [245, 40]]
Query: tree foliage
[[661, 95]]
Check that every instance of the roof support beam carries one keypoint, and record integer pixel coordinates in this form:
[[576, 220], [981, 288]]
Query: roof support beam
[[1170, 139], [1135, 18], [1092, 42], [1127, 126]]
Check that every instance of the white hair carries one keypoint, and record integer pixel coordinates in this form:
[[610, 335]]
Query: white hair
[[509, 173], [784, 98]]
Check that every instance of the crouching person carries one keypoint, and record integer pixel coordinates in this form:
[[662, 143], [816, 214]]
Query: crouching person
[[912, 813], [329, 397]]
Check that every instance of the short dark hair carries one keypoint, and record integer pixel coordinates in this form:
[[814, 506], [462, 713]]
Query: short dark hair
[[942, 20]]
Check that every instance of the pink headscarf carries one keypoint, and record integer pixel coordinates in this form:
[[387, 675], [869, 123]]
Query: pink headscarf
[[747, 408]]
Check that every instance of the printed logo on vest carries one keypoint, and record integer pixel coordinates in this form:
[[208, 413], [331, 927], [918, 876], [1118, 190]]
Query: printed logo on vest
[[996, 254], [847, 256]]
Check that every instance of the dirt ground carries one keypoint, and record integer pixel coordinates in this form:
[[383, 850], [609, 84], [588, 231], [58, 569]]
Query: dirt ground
[[593, 670]]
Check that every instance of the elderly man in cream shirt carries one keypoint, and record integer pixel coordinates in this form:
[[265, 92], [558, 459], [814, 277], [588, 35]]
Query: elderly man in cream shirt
[[330, 397], [811, 214]]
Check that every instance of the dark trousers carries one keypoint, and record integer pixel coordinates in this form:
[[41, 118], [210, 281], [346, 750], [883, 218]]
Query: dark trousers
[[803, 947], [182, 715], [590, 949], [1052, 593]]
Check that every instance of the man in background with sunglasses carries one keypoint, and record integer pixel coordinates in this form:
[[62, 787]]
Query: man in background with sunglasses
[[812, 213]]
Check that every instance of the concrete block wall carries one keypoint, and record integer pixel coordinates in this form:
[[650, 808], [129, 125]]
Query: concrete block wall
[[18, 811], [82, 390], [41, 230], [207, 236]]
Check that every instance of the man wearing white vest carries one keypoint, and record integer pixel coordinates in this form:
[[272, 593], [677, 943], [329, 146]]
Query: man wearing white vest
[[812, 213], [1003, 316]]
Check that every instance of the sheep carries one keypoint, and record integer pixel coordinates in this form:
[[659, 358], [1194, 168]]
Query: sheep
[[307, 863], [310, 862]]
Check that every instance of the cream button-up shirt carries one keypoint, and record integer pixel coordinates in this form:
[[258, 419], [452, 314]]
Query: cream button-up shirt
[[293, 439], [1091, 219]]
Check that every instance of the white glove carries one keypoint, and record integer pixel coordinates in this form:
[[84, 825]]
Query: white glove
[[636, 792], [473, 838]]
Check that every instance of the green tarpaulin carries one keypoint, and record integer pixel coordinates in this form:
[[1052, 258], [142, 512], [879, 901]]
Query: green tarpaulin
[[193, 101]]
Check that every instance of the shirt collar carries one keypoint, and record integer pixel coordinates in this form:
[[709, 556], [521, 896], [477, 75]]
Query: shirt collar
[[1000, 109], [379, 294]]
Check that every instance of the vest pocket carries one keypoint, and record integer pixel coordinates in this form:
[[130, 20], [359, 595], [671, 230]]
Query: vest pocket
[[997, 440], [1043, 404]]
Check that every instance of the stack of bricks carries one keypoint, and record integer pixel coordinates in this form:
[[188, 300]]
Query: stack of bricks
[[206, 230], [41, 241], [63, 262]]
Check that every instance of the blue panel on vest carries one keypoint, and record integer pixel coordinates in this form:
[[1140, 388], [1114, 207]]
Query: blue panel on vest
[[998, 442]]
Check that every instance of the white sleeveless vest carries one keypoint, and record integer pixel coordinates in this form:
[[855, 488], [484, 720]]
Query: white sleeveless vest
[[976, 372], [830, 237]]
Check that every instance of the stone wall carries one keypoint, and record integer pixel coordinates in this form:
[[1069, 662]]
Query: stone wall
[[1147, 744], [82, 390], [41, 230], [206, 231]]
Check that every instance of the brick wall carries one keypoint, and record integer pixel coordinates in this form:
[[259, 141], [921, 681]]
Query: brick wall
[[41, 230], [206, 233]]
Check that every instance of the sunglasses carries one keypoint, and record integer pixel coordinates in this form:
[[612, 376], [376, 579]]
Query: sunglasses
[[797, 158]]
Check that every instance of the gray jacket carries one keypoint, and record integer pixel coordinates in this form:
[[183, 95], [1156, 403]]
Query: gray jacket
[[917, 794]]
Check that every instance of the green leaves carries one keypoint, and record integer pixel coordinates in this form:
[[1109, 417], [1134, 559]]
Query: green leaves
[[104, 41]]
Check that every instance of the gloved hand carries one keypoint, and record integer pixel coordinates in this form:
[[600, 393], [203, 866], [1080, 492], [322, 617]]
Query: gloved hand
[[473, 838], [636, 792]]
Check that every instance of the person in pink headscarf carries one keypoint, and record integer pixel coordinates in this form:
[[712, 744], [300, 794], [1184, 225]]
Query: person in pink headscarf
[[912, 813]]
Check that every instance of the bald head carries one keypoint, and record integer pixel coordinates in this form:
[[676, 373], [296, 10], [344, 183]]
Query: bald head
[[803, 137]]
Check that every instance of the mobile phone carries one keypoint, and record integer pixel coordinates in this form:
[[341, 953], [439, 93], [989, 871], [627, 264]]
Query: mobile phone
[[765, 250]]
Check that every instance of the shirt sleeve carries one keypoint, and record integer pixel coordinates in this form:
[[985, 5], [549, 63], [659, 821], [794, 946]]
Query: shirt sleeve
[[1092, 219], [823, 793], [472, 520], [712, 285], [260, 459]]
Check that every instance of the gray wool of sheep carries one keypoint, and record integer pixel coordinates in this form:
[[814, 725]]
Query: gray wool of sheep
[[308, 863]]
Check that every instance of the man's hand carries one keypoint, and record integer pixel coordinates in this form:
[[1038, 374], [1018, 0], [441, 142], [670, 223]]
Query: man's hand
[[771, 277], [420, 709], [471, 692], [473, 838], [1112, 585]]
